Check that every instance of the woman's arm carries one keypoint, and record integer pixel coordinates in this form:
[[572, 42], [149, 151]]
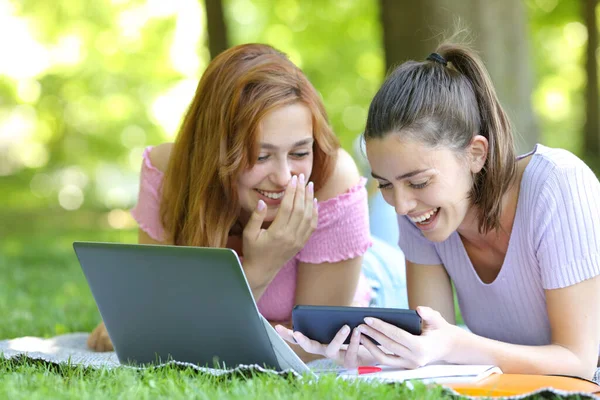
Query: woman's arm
[[328, 284], [429, 285], [331, 283], [574, 314]]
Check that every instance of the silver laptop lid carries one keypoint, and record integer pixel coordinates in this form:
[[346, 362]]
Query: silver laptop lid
[[188, 304]]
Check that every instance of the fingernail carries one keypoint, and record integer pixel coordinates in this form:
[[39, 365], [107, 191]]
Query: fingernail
[[310, 187], [261, 205], [357, 332], [345, 329], [315, 203], [294, 181], [361, 329], [369, 321], [301, 179]]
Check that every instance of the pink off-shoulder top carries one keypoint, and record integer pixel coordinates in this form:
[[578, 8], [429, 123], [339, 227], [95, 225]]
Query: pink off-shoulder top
[[342, 233]]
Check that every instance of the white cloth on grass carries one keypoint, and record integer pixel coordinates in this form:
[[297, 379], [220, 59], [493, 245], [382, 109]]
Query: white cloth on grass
[[71, 349]]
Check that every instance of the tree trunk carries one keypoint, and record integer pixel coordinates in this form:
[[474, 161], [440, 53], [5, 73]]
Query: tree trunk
[[591, 138], [407, 33], [216, 27], [413, 29]]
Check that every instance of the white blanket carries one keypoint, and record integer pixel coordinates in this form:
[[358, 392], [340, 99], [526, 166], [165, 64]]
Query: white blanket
[[72, 349]]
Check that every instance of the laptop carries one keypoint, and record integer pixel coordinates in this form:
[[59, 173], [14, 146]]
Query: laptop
[[188, 304]]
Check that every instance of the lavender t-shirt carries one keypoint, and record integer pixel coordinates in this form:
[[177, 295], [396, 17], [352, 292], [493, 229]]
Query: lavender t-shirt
[[554, 243]]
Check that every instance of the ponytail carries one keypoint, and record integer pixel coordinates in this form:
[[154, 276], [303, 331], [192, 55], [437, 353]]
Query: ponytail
[[500, 168]]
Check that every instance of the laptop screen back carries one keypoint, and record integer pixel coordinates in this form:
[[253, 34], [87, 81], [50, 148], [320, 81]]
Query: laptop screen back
[[162, 303]]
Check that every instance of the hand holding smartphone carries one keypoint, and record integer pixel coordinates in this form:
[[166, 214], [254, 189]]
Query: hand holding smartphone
[[322, 323]]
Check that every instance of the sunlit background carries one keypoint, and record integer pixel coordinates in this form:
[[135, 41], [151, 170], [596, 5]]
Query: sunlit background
[[86, 85]]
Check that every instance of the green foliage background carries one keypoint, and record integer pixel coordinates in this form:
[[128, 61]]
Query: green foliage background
[[86, 85]]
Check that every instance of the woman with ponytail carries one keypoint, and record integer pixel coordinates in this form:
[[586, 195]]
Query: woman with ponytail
[[517, 236]]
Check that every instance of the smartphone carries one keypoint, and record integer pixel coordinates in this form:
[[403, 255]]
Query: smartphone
[[322, 323]]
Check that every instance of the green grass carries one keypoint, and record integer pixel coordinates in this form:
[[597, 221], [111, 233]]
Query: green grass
[[44, 293], [29, 380], [42, 290]]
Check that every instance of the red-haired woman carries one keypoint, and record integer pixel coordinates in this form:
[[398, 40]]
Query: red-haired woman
[[253, 155]]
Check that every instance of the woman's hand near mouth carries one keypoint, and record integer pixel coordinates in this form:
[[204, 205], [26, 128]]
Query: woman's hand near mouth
[[267, 250]]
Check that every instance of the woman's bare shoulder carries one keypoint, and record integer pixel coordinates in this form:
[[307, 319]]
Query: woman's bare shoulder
[[345, 176], [159, 156]]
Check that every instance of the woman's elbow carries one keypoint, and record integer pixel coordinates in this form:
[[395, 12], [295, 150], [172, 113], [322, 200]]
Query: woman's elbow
[[586, 366]]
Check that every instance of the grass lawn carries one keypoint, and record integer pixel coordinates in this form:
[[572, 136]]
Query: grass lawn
[[44, 293], [24, 380]]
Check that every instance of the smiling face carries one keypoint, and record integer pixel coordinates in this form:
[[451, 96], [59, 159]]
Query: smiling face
[[429, 185], [286, 149]]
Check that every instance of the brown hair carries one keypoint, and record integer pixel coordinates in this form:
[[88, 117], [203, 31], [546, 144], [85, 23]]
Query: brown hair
[[445, 101], [218, 140]]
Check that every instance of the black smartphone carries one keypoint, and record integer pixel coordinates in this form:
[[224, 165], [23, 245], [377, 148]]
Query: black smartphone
[[322, 323]]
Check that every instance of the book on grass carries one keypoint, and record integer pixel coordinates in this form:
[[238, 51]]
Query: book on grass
[[437, 373]]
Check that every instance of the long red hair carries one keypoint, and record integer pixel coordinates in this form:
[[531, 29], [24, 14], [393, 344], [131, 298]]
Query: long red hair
[[218, 140]]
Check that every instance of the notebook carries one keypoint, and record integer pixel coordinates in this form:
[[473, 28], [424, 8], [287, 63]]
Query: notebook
[[437, 373]]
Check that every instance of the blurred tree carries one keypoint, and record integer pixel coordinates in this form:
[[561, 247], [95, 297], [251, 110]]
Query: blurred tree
[[558, 38], [591, 132], [413, 29], [217, 29], [86, 87], [336, 43]]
